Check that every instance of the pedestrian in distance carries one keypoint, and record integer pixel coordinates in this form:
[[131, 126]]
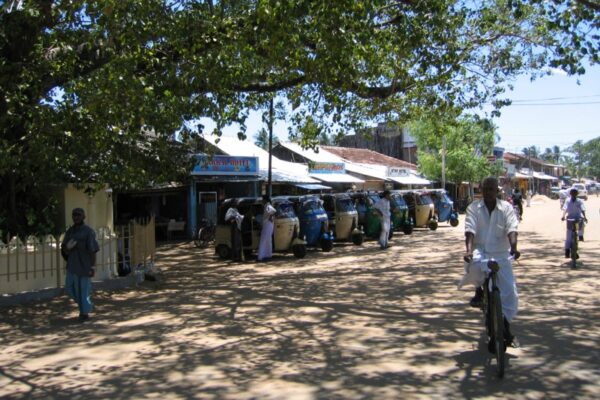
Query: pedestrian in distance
[[79, 248], [383, 207], [517, 199], [574, 209], [265, 245], [491, 232]]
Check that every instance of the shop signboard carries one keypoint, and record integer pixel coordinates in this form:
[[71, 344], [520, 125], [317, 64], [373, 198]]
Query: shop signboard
[[226, 165], [398, 172], [316, 167]]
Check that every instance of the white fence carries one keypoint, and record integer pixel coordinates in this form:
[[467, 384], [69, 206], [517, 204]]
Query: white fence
[[37, 264]]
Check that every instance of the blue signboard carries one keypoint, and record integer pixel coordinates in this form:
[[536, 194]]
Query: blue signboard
[[316, 167], [225, 165]]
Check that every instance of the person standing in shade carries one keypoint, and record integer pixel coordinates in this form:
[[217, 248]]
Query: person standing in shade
[[383, 206], [234, 219], [79, 248], [265, 246]]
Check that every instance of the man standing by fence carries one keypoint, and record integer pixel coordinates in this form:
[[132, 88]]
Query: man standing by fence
[[79, 248]]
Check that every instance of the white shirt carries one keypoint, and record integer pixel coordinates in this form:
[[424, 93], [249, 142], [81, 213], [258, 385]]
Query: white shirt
[[574, 208], [268, 212], [491, 231], [383, 205]]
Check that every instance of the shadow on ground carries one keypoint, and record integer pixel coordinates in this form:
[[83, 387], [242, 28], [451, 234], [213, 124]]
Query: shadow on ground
[[354, 323]]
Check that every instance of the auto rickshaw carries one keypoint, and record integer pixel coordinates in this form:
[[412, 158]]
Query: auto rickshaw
[[286, 227], [368, 218], [314, 224], [343, 218], [444, 207], [420, 209], [401, 219]]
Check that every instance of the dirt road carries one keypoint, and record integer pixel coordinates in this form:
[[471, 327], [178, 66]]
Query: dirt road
[[356, 323]]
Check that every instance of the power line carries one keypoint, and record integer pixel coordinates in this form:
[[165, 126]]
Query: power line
[[555, 104], [555, 98]]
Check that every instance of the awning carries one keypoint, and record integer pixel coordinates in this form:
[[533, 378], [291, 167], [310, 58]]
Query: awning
[[337, 178], [522, 176], [312, 186], [541, 175], [409, 180]]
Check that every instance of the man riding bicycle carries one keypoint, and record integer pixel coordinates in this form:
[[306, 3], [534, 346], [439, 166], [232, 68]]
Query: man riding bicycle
[[517, 200], [574, 209], [491, 232]]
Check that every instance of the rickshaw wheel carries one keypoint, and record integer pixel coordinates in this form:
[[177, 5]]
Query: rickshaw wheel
[[432, 224], [299, 250], [223, 251], [326, 245], [454, 222], [407, 230], [358, 239]]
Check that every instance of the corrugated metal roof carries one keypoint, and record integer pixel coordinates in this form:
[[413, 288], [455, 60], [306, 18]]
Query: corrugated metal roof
[[366, 156]]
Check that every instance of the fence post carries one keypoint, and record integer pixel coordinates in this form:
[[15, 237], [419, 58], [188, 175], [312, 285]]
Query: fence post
[[8, 257]]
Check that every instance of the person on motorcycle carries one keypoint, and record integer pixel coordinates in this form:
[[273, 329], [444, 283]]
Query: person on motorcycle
[[517, 199], [574, 208], [563, 195], [491, 232]]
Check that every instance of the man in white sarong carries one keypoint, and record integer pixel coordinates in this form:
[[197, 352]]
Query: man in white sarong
[[491, 232], [265, 246], [383, 206]]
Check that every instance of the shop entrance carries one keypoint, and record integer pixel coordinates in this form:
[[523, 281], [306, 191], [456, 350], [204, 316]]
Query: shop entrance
[[207, 206]]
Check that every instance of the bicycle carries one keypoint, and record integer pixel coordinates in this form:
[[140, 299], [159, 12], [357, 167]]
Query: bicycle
[[494, 318], [574, 248], [206, 234]]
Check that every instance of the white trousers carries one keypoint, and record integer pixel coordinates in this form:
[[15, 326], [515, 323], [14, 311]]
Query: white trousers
[[477, 270], [385, 232]]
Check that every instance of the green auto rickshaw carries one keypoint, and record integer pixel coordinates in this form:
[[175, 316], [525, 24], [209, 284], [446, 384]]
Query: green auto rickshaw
[[369, 218], [343, 218], [401, 219]]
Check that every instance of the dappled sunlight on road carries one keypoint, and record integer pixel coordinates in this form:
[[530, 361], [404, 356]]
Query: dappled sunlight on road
[[357, 322]]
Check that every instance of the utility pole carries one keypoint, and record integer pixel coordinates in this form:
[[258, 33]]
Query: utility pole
[[444, 162], [269, 180]]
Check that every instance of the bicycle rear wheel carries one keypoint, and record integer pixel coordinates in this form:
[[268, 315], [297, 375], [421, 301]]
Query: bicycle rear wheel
[[498, 331]]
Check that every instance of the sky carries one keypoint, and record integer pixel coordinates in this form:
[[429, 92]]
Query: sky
[[554, 110]]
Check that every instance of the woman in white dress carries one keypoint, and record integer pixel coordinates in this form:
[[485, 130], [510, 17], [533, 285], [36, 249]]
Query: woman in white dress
[[265, 246]]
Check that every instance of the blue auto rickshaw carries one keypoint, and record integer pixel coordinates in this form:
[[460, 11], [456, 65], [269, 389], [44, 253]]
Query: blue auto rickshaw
[[314, 223], [444, 206]]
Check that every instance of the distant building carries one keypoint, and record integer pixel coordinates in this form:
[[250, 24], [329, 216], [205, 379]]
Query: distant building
[[390, 140]]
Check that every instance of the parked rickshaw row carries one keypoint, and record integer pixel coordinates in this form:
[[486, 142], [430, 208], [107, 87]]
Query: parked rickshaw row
[[317, 221]]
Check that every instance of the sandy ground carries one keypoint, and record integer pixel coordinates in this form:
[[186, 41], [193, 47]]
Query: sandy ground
[[356, 323]]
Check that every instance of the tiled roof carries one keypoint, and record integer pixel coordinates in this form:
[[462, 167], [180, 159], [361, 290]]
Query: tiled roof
[[366, 156]]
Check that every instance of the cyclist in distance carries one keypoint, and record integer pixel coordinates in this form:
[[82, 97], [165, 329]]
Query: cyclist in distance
[[491, 232], [574, 208]]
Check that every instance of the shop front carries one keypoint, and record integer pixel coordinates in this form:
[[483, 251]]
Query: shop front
[[215, 179]]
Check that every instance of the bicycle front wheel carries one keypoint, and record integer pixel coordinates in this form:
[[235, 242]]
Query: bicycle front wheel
[[498, 331], [574, 248]]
